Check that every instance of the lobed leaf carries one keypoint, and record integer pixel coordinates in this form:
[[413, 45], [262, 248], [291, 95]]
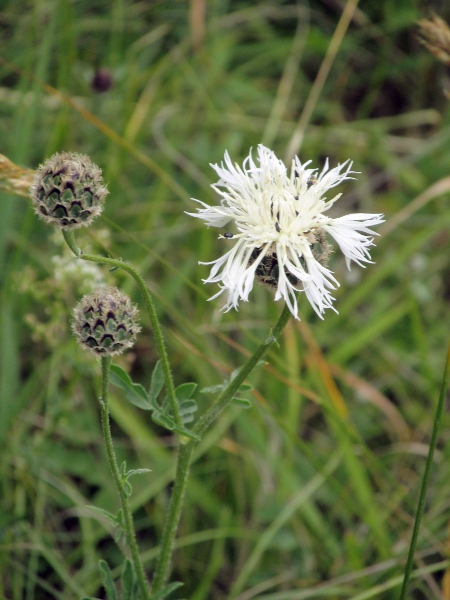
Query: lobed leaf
[[134, 392]]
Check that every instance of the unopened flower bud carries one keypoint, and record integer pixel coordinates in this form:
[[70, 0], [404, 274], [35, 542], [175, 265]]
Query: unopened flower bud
[[105, 321], [102, 80], [68, 190]]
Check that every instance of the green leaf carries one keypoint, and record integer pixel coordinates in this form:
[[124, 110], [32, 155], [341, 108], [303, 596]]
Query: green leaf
[[120, 519], [119, 535], [187, 433], [163, 419], [126, 485], [108, 581], [242, 402], [119, 532], [213, 389], [134, 392], [235, 373], [156, 383], [187, 408], [114, 519], [245, 387], [161, 414], [138, 472], [166, 591], [127, 489], [129, 581], [185, 391]]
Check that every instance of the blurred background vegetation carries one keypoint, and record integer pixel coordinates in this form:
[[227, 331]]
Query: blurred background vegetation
[[312, 492]]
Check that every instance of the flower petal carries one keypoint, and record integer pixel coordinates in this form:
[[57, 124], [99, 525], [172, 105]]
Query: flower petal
[[281, 223]]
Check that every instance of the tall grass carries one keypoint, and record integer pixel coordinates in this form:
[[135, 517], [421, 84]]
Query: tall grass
[[312, 492]]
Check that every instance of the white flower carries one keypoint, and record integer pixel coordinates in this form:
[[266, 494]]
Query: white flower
[[281, 229]]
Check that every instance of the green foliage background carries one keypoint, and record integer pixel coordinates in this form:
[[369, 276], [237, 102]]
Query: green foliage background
[[312, 492]]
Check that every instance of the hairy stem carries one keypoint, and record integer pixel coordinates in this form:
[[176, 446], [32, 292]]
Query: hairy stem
[[229, 392], [125, 505], [173, 516], [118, 264], [185, 452]]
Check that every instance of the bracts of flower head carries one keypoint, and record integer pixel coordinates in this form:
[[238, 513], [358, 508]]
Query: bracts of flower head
[[105, 322], [282, 229], [68, 191]]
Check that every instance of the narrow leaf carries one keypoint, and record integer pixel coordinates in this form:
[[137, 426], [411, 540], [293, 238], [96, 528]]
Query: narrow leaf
[[213, 389], [242, 402], [119, 535], [138, 472], [128, 581], [127, 489], [108, 581], [166, 591], [113, 518]]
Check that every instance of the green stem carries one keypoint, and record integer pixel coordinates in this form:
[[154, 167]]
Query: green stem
[[185, 452], [118, 264], [229, 392], [124, 502], [173, 516], [426, 478]]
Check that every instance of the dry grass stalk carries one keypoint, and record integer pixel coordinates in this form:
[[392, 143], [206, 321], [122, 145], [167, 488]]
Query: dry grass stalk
[[13, 179], [435, 36]]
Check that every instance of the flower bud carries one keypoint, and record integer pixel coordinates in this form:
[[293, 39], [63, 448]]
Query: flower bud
[[102, 80], [105, 321], [68, 190]]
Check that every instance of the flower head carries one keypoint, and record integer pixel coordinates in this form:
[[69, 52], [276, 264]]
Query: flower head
[[68, 191], [105, 321], [282, 229]]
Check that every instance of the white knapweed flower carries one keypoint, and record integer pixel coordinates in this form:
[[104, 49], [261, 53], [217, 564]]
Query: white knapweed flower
[[282, 226]]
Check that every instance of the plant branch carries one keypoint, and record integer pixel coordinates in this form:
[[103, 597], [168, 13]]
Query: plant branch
[[118, 264], [185, 452], [229, 392]]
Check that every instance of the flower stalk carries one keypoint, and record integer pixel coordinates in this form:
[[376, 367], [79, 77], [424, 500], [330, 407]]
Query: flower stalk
[[184, 457], [156, 327], [124, 502]]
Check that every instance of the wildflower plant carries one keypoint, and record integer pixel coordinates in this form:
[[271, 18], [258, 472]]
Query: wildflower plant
[[280, 237]]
